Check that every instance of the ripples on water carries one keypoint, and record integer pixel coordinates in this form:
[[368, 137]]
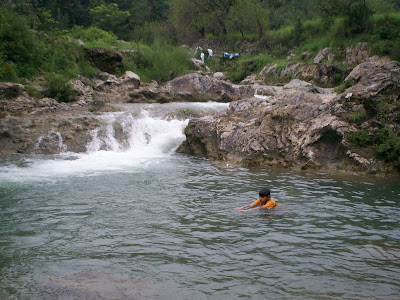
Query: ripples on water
[[169, 231], [166, 229]]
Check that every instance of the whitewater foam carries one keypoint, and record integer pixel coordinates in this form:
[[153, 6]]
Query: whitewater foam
[[126, 140]]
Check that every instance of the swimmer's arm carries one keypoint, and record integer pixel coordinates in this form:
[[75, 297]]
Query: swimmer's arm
[[251, 209], [243, 207]]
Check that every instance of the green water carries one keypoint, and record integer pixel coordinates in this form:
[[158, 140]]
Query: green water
[[167, 230], [163, 227]]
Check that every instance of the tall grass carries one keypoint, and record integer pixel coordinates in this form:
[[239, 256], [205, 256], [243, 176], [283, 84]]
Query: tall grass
[[93, 37], [160, 62]]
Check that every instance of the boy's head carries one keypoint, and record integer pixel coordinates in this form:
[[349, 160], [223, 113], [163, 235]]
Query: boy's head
[[264, 193]]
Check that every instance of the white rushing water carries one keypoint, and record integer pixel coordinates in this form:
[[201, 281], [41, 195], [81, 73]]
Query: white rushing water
[[135, 136]]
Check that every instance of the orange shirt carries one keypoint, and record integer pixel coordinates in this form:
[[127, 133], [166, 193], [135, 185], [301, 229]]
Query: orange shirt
[[270, 203]]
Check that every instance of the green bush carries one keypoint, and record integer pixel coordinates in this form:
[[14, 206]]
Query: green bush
[[32, 91], [361, 138], [388, 146], [57, 60], [278, 42], [58, 88], [7, 71], [246, 66], [386, 27], [93, 36], [147, 33], [358, 117], [160, 62]]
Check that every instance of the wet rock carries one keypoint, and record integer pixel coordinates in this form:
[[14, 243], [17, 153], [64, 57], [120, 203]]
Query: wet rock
[[48, 132], [21, 103]]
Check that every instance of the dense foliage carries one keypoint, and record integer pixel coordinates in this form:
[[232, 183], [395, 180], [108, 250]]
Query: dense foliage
[[36, 35]]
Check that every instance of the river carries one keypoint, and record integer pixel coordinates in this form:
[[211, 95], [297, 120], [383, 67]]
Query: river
[[133, 219]]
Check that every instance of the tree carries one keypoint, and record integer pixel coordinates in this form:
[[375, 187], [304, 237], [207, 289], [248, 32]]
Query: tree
[[109, 17], [202, 15], [356, 13], [253, 21], [187, 17]]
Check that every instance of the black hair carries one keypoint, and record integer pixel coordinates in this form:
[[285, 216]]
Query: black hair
[[264, 192]]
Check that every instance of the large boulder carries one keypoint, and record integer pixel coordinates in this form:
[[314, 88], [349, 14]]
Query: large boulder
[[110, 88], [358, 53], [375, 79], [105, 60], [300, 126], [320, 73], [269, 72], [46, 134], [199, 87], [327, 75], [324, 55], [10, 90]]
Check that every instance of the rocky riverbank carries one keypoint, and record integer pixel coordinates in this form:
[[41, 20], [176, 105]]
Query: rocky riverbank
[[303, 126], [297, 125], [42, 125]]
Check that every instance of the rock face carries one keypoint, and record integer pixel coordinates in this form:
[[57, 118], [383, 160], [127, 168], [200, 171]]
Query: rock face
[[105, 60], [292, 127], [192, 87], [324, 54], [357, 53], [328, 75], [198, 87], [374, 79], [299, 125], [32, 125], [10, 90], [46, 135]]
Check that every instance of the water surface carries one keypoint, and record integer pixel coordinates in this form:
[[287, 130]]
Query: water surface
[[131, 219]]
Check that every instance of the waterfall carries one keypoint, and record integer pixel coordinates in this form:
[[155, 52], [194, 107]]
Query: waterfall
[[141, 136], [53, 142], [136, 136]]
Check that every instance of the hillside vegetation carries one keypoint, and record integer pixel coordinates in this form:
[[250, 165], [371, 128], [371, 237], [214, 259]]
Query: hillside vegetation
[[39, 38]]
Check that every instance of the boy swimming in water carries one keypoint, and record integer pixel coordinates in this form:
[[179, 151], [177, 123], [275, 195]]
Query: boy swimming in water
[[264, 201]]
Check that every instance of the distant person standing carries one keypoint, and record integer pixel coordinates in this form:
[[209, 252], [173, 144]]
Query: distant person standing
[[202, 57], [264, 201]]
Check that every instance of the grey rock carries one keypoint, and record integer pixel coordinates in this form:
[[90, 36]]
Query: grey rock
[[322, 55], [10, 89]]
